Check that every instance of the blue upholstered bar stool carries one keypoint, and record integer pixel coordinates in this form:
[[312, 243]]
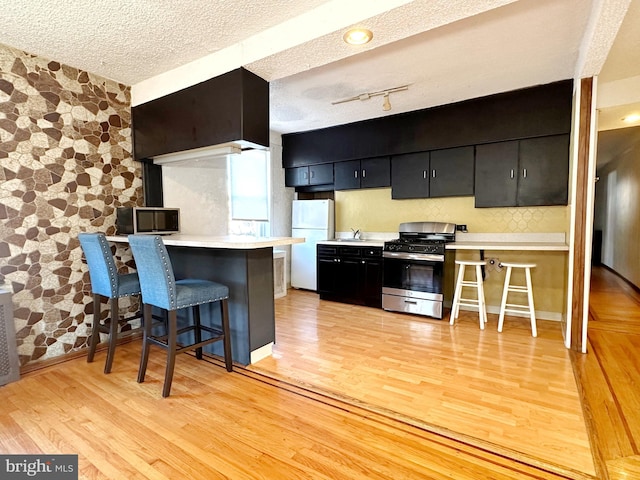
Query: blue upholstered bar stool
[[106, 282], [162, 290]]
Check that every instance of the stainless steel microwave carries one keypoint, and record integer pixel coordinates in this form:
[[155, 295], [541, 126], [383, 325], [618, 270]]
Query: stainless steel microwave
[[149, 220]]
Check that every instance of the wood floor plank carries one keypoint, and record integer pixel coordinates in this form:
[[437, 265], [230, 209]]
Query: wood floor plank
[[609, 374], [503, 389], [217, 424]]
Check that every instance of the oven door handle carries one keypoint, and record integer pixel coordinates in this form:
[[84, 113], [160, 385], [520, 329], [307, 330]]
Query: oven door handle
[[414, 256]]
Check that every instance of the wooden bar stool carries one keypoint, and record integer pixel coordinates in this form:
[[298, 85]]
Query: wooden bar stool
[[478, 284], [516, 307]]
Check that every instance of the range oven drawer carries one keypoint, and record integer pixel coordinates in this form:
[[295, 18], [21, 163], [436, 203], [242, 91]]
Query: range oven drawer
[[419, 306]]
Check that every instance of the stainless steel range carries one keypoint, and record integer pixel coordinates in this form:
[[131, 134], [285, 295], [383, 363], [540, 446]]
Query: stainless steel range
[[417, 273]]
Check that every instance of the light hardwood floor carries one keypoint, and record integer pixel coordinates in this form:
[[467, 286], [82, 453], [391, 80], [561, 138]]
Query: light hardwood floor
[[248, 425], [609, 376], [509, 392], [219, 425]]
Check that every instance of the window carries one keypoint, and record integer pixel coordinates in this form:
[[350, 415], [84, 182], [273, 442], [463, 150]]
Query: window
[[249, 193]]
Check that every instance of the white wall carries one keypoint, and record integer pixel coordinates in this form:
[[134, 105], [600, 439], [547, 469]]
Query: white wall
[[617, 194], [202, 196], [281, 198]]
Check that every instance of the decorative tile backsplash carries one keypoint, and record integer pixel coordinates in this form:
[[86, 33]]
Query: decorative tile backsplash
[[66, 165]]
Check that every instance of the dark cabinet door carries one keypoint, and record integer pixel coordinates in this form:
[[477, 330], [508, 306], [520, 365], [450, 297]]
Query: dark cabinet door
[[410, 175], [296, 177], [496, 175], [311, 175], [375, 172], [348, 280], [350, 275], [544, 171], [452, 172], [371, 277], [346, 175], [327, 275], [321, 174], [366, 173]]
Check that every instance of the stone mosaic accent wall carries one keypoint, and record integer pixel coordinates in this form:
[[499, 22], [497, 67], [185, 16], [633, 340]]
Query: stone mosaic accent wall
[[65, 166]]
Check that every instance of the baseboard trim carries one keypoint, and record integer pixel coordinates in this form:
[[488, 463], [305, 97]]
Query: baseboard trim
[[127, 337]]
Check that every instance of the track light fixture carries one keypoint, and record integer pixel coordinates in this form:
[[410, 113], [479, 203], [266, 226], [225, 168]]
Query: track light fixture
[[386, 104]]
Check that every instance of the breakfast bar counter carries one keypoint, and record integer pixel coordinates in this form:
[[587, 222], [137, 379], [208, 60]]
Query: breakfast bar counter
[[245, 265]]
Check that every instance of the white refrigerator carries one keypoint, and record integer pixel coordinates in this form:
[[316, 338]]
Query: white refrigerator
[[312, 220]]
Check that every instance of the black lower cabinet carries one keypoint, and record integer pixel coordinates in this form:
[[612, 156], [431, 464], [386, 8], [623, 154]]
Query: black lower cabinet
[[350, 274]]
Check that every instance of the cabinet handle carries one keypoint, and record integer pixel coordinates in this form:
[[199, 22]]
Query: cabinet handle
[[362, 262], [433, 173], [524, 173], [412, 302], [364, 173], [424, 174], [355, 174], [305, 175], [512, 173], [313, 173]]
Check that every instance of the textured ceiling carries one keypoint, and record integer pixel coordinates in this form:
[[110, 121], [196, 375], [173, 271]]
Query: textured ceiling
[[446, 50], [130, 41]]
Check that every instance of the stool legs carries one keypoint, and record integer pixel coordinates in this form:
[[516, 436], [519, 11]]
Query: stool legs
[[113, 334], [482, 307], [224, 310], [95, 330], [515, 308], [468, 302], [455, 306], [144, 357], [172, 340], [503, 303], [532, 312]]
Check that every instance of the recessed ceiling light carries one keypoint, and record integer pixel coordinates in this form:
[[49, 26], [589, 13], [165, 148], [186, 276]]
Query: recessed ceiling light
[[631, 118], [358, 36]]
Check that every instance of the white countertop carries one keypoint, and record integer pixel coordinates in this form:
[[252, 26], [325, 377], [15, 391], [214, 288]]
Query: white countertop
[[348, 242], [510, 241], [245, 242], [476, 241]]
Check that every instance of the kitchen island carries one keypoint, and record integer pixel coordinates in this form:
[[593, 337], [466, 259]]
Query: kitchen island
[[245, 265]]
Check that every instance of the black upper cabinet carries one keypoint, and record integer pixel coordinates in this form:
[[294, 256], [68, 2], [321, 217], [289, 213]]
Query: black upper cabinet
[[440, 173], [452, 172], [522, 173], [233, 107], [537, 111], [544, 171], [410, 175], [346, 175], [311, 175], [367, 173], [496, 174]]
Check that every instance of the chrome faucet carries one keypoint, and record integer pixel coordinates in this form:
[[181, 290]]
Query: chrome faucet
[[356, 234]]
